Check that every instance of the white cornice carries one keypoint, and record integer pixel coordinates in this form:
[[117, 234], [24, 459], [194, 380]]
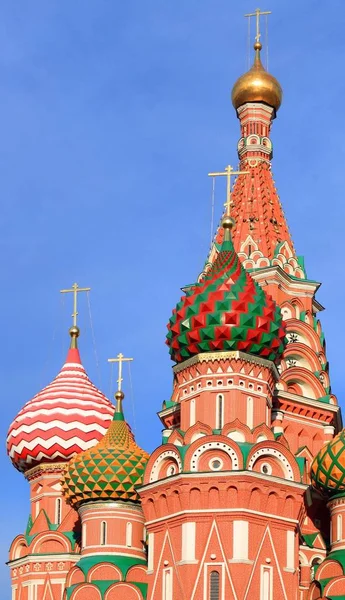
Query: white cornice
[[275, 275], [227, 474], [217, 356]]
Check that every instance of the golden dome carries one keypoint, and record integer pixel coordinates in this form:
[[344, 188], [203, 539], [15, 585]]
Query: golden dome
[[257, 85]]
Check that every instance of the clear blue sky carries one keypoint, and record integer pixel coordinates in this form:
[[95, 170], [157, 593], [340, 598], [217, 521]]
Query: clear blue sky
[[111, 115]]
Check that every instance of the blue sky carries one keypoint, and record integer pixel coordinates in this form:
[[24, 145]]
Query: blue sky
[[112, 113]]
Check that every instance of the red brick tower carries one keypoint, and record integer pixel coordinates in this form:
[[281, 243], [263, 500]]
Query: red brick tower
[[226, 497]]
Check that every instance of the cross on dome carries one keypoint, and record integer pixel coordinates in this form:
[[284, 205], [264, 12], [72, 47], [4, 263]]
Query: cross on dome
[[75, 289], [228, 172], [258, 13], [119, 359]]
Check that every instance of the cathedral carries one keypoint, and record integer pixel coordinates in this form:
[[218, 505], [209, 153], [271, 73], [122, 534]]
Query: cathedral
[[244, 496]]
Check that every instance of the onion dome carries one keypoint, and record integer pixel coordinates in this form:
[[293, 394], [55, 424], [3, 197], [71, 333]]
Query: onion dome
[[257, 85], [68, 416], [226, 311], [328, 466], [111, 470]]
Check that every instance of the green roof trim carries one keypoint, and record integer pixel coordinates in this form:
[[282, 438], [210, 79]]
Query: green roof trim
[[325, 399], [245, 448], [168, 404], [300, 260], [301, 463], [122, 562], [310, 538]]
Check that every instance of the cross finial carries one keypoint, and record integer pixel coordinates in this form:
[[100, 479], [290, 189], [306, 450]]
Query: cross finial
[[228, 172], [119, 359], [74, 290], [258, 13]]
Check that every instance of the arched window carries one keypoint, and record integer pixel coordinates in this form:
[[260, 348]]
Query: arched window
[[58, 511], [220, 411], [103, 533], [313, 567], [214, 585], [129, 535]]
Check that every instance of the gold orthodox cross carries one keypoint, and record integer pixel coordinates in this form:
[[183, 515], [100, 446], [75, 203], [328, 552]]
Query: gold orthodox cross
[[75, 290], [119, 359], [258, 13], [228, 173]]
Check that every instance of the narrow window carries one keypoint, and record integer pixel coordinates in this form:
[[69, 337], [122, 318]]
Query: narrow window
[[188, 541], [58, 511], [219, 414], [129, 535], [150, 549], [192, 412], [290, 550], [167, 585], [339, 528], [103, 533], [266, 583], [240, 540], [83, 535], [214, 585], [250, 413]]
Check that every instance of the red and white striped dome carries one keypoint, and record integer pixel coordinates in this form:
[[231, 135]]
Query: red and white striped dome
[[67, 417]]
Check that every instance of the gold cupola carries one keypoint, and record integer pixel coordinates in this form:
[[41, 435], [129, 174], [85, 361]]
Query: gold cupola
[[257, 85]]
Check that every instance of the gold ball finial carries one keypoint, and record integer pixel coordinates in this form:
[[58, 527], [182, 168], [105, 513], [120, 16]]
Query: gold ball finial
[[119, 395], [257, 46], [228, 222], [74, 331]]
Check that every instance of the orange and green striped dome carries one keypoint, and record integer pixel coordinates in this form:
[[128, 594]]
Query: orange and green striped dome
[[226, 311], [111, 470], [328, 466]]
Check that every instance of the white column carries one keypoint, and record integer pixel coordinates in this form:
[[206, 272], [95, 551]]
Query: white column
[[250, 413], [167, 584], [290, 550], [266, 583], [188, 541], [192, 412], [151, 550], [240, 540]]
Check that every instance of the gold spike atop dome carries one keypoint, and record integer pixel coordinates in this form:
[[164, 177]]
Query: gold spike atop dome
[[257, 85]]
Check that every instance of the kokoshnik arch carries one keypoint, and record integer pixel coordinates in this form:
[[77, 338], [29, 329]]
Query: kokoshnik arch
[[245, 496]]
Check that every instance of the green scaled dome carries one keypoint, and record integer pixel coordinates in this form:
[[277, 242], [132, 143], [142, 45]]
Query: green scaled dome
[[328, 466], [226, 311], [111, 470]]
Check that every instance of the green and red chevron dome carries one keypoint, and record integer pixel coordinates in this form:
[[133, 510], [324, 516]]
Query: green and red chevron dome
[[226, 311]]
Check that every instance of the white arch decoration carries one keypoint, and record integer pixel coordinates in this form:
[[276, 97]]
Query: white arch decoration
[[214, 446], [276, 454], [161, 458]]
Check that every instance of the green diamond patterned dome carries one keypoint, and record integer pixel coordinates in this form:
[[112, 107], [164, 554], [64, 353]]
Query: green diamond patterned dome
[[111, 470], [328, 467], [226, 311]]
